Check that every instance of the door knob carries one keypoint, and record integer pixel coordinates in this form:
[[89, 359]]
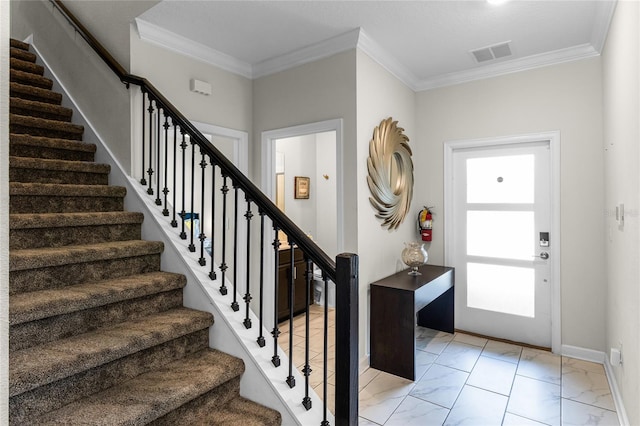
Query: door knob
[[543, 255]]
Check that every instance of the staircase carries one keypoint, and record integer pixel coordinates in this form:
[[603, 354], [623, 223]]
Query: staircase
[[98, 333]]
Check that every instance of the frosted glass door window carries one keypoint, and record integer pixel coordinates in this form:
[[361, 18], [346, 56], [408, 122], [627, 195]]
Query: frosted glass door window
[[506, 289], [501, 234], [506, 179]]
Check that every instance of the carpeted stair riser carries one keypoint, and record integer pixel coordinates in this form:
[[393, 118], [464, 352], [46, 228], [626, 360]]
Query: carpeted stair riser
[[22, 54], [63, 229], [106, 264], [36, 109], [37, 366], [36, 170], [18, 44], [26, 335], [38, 305], [31, 79], [57, 198], [22, 145], [240, 411], [43, 127], [34, 93], [192, 412], [26, 66], [52, 396], [175, 384]]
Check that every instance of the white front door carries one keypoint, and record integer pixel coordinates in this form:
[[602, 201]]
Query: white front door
[[502, 241]]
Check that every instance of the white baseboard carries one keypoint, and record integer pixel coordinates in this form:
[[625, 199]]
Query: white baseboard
[[583, 353], [615, 392], [600, 358]]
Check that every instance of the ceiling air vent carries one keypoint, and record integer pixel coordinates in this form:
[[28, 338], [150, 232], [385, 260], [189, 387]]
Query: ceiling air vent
[[490, 53]]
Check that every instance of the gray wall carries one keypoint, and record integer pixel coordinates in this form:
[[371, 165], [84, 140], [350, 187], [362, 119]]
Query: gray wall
[[621, 68], [568, 98], [102, 98]]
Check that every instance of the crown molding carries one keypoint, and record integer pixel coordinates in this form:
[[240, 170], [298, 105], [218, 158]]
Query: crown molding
[[583, 51], [387, 61], [169, 40], [311, 53], [604, 15]]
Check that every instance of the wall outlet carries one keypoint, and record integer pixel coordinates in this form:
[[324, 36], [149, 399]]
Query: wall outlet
[[615, 357], [620, 214]]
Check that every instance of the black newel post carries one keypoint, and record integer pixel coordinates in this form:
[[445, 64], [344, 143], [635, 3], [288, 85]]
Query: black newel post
[[346, 409]]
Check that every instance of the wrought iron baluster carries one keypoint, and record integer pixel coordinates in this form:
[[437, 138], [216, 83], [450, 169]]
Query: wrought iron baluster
[[143, 181], [212, 272], [183, 214], [261, 340], [223, 264], [203, 167], [234, 305], [192, 247], [158, 156], [150, 170], [174, 222], [291, 381], [247, 296], [325, 361], [165, 190], [275, 359], [306, 401]]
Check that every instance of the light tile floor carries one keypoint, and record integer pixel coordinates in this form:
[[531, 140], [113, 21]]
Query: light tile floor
[[466, 380]]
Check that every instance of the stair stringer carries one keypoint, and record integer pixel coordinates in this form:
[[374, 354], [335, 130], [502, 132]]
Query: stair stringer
[[261, 381]]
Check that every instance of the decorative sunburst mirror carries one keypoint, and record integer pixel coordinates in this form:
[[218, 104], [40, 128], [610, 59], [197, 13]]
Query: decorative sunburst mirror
[[390, 170]]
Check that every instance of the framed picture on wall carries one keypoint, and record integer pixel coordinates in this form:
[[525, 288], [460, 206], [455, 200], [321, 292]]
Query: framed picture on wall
[[301, 187]]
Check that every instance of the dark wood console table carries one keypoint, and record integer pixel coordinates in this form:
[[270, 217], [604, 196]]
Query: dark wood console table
[[395, 302]]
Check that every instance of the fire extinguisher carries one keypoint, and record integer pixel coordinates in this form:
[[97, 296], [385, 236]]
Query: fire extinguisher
[[425, 223]]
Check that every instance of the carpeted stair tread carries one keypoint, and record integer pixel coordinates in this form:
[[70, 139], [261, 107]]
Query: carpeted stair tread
[[35, 230], [58, 220], [61, 190], [47, 363], [44, 127], [34, 93], [22, 54], [30, 79], [21, 144], [37, 109], [18, 44], [55, 197], [241, 411], [60, 165], [36, 305], [25, 169], [151, 395], [27, 259], [30, 67]]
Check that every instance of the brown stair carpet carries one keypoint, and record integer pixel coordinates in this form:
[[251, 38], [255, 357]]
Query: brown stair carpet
[[98, 332]]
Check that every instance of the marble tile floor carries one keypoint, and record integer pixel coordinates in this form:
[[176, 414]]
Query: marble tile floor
[[466, 380]]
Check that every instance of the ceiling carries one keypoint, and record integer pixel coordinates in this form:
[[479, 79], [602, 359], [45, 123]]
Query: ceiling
[[425, 44]]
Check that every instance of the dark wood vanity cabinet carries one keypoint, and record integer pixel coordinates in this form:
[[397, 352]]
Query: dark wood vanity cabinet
[[284, 268]]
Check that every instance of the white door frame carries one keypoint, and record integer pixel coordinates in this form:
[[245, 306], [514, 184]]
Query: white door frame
[[554, 144], [268, 179], [269, 163], [240, 147]]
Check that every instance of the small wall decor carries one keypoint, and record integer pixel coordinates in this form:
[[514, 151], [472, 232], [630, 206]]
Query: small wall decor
[[301, 187], [390, 176]]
